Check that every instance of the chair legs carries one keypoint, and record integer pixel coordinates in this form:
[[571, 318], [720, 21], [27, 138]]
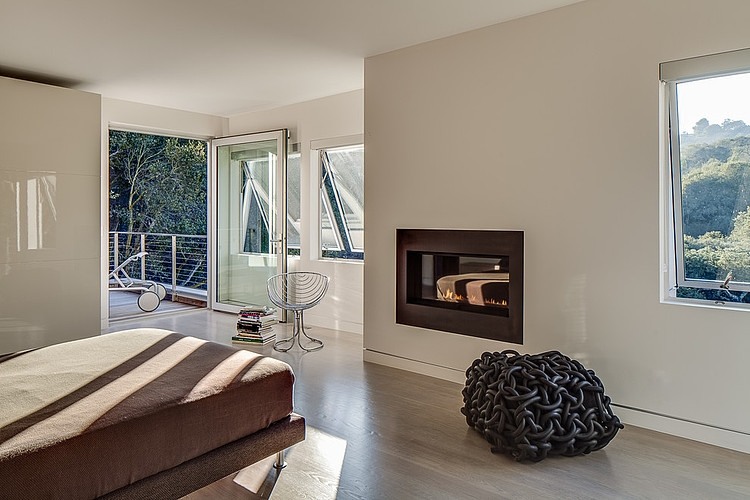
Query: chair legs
[[297, 332]]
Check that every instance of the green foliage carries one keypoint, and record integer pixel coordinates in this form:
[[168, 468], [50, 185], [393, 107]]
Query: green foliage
[[711, 195], [706, 133], [702, 256], [157, 184], [715, 167], [719, 295], [735, 257], [697, 155]]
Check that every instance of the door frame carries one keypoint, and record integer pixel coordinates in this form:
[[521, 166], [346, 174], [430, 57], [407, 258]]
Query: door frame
[[279, 241]]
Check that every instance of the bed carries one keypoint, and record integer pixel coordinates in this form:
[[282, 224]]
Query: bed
[[143, 413]]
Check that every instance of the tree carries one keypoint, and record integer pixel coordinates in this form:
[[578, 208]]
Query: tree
[[700, 126], [735, 255], [157, 184], [715, 174], [711, 195], [702, 256], [709, 133]]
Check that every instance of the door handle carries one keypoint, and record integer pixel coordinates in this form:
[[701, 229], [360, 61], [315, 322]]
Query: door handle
[[277, 246]]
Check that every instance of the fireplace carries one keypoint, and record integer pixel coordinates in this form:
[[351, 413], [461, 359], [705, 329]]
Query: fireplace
[[461, 281]]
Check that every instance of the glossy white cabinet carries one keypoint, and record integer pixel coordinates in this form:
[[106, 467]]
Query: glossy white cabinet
[[50, 214]]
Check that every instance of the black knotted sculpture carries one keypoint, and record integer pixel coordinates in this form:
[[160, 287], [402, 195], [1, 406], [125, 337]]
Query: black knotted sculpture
[[535, 405]]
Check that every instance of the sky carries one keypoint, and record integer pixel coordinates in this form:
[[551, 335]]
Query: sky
[[715, 99]]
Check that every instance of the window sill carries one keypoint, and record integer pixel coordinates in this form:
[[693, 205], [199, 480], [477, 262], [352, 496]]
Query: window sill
[[706, 304], [334, 260]]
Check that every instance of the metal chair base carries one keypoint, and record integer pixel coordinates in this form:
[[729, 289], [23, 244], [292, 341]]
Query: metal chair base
[[297, 332]]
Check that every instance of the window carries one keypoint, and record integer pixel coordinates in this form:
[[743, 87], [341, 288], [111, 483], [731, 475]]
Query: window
[[257, 184], [342, 194], [708, 123], [255, 209], [293, 212]]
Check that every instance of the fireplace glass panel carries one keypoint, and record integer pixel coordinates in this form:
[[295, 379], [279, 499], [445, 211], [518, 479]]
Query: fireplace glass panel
[[470, 283]]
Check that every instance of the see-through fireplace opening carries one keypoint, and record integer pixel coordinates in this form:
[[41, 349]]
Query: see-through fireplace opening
[[468, 282]]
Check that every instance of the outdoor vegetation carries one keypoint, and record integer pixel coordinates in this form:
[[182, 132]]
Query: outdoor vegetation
[[158, 186], [715, 170]]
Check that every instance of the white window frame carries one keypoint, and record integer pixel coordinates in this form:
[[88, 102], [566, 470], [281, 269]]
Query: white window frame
[[673, 263], [316, 148], [296, 250]]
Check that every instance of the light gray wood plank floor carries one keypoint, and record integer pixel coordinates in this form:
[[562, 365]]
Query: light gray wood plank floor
[[376, 432]]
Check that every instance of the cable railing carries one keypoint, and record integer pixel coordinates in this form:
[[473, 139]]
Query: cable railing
[[177, 261]]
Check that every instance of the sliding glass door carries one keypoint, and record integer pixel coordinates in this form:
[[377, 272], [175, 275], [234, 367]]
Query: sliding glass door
[[248, 217]]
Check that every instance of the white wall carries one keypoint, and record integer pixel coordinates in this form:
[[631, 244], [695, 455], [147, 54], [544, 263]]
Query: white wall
[[144, 117], [49, 214], [125, 115], [330, 117], [550, 124], [326, 118]]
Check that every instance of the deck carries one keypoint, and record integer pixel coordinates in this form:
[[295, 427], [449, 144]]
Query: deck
[[124, 305]]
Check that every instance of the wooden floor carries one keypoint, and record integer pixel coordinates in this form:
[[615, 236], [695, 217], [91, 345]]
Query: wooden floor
[[379, 433]]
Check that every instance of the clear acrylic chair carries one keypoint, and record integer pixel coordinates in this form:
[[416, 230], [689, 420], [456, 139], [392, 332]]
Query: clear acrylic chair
[[296, 292]]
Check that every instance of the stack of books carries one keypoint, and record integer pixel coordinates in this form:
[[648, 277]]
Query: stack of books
[[254, 325]]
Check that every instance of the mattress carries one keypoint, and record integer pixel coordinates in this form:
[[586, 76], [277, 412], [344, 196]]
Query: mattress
[[83, 418]]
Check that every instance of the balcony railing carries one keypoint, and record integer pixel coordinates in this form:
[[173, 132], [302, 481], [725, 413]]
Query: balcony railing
[[177, 261]]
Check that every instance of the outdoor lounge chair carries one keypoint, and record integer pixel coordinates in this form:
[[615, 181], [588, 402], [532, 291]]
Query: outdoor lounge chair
[[152, 293]]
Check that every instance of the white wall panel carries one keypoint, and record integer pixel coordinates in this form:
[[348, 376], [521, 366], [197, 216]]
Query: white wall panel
[[327, 118], [49, 214], [550, 124]]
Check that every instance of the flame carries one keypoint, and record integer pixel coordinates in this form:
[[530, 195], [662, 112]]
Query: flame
[[493, 302], [452, 296]]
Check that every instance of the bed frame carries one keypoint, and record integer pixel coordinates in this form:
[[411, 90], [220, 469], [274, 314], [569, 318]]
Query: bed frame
[[214, 465]]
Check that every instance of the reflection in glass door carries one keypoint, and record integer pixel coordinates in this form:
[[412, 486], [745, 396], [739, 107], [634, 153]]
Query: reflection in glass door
[[249, 211]]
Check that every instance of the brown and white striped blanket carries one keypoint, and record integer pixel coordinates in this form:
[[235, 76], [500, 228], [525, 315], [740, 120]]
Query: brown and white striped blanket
[[83, 418]]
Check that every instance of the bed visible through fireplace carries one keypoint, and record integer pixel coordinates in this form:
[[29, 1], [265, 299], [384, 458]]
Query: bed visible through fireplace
[[461, 281]]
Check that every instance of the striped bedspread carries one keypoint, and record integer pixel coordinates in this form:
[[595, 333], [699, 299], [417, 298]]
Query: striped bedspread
[[83, 418]]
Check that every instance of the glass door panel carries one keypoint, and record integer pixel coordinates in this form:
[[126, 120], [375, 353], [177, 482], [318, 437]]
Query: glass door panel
[[249, 240]]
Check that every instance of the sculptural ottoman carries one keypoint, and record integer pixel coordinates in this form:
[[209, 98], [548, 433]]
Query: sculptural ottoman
[[533, 406]]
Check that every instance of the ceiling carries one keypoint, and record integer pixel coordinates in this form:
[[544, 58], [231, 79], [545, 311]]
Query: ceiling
[[225, 57]]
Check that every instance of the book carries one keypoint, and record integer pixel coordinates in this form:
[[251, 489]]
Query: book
[[247, 340], [258, 310], [251, 322], [253, 328], [256, 335], [254, 325], [270, 320]]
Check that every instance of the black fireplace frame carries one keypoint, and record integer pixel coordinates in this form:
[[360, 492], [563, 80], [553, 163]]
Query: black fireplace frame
[[480, 243]]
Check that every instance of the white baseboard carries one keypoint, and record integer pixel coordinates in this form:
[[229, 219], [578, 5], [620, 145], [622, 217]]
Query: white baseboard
[[724, 438], [411, 365], [331, 323]]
